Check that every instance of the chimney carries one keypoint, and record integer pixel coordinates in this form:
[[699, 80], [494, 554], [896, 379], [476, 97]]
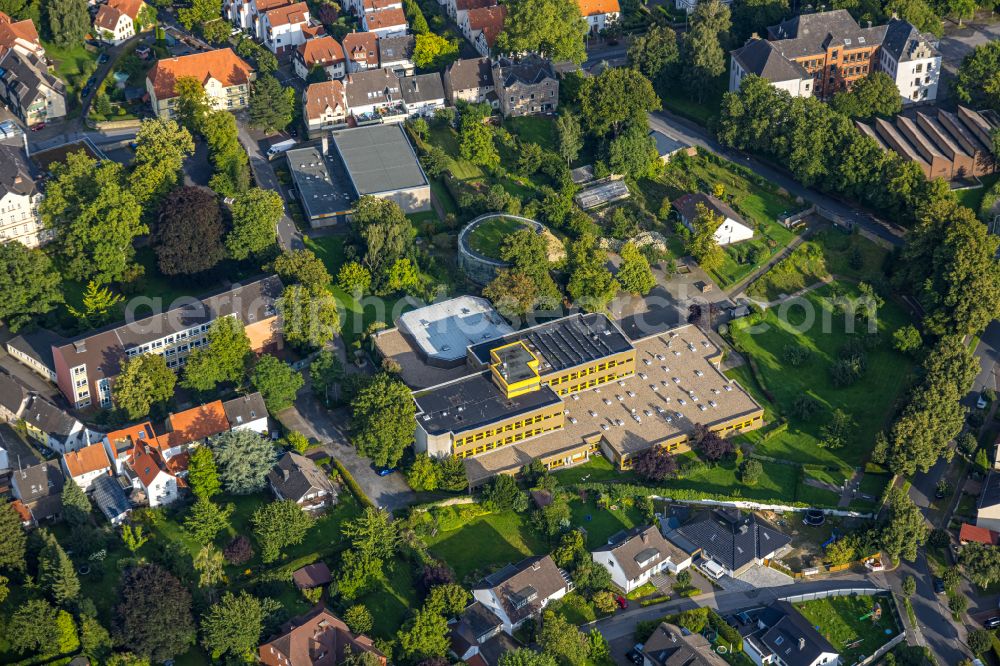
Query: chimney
[[326, 145], [754, 36]]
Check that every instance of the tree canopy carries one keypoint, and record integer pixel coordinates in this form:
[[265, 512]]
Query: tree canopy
[[255, 221], [277, 382], [233, 625], [144, 381], [382, 420], [272, 106], [188, 235], [978, 80], [30, 285], [223, 360], [153, 617], [277, 525], [874, 95], [386, 235], [161, 147], [616, 97], [243, 459], [553, 28]]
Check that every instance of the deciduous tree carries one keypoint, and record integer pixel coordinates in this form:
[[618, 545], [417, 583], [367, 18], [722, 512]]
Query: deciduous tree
[[570, 136], [905, 530], [617, 97], [255, 218], [562, 640], [277, 525], [68, 21], [874, 95], [302, 267], [355, 279], [188, 235], [311, 318], [233, 625], [359, 619], [145, 381], [424, 637], [981, 563], [223, 360], [553, 28], [591, 284], [161, 147], [432, 51], [655, 464], [704, 58], [30, 285], [153, 616], [38, 627], [634, 274], [386, 233], [382, 420], [703, 246], [502, 494], [277, 382]]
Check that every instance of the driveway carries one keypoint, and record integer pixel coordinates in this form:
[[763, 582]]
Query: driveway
[[289, 237], [311, 418], [959, 42]]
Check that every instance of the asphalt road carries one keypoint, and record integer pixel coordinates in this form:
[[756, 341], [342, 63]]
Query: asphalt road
[[988, 352], [695, 135], [289, 237]]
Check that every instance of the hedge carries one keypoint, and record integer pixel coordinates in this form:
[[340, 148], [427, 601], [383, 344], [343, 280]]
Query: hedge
[[725, 630], [352, 485]]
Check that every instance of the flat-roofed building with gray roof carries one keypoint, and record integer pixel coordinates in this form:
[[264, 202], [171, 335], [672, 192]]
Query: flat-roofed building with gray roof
[[323, 186], [441, 332], [380, 162]]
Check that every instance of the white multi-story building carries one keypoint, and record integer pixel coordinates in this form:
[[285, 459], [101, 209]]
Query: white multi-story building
[[761, 57], [284, 28], [912, 59], [19, 199], [361, 51], [224, 76], [116, 20], [324, 52], [324, 107], [85, 465]]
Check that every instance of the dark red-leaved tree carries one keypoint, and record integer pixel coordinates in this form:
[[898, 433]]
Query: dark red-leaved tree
[[713, 447], [655, 464], [188, 236], [239, 550], [153, 617], [434, 574]]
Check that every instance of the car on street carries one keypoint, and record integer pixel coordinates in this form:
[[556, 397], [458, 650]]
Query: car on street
[[39, 126], [103, 58], [992, 623], [621, 601], [85, 92], [938, 585], [635, 654], [383, 471]]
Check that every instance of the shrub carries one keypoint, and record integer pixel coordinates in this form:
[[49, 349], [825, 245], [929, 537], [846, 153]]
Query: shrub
[[352, 485]]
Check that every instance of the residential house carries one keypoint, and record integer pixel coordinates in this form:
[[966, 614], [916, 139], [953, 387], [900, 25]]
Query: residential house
[[633, 557], [34, 350], [525, 86], [361, 50], [109, 496], [324, 107], [374, 95], [423, 94], [53, 428], [188, 430], [20, 36], [521, 591], [245, 14], [599, 14], [28, 90], [385, 22], [361, 7], [972, 534], [317, 638], [457, 9], [224, 76], [783, 636], [13, 397], [323, 52], [733, 229], [85, 465], [247, 413], [470, 80], [988, 510], [284, 28], [39, 488], [298, 478], [86, 366], [146, 468], [912, 59], [669, 645], [396, 54], [734, 541], [687, 6], [477, 637], [19, 199], [481, 27], [118, 444], [826, 52], [116, 20]]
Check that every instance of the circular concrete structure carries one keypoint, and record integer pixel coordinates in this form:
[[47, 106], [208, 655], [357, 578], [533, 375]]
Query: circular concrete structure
[[478, 267]]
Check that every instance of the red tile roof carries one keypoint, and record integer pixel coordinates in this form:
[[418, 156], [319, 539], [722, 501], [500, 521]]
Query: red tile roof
[[107, 17], [466, 5], [319, 631], [22, 511], [598, 7], [385, 18], [146, 463], [221, 64], [978, 534], [91, 458], [11, 32], [288, 15], [323, 51], [361, 47], [489, 20], [195, 424], [128, 438], [320, 96]]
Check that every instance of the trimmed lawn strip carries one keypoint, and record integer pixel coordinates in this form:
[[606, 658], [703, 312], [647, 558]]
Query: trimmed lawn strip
[[534, 129], [391, 600], [600, 523], [597, 470], [839, 620], [867, 401]]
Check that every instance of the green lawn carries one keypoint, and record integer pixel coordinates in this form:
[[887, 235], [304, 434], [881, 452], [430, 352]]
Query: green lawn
[[830, 251], [601, 523], [575, 608], [446, 138], [73, 66], [391, 600], [974, 197], [534, 129], [777, 483], [488, 237], [839, 620], [868, 401], [597, 470], [486, 543]]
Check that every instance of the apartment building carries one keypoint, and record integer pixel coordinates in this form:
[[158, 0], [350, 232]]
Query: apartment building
[[284, 28], [28, 90], [482, 25], [86, 366], [525, 86], [225, 77], [457, 9], [324, 107], [323, 52], [563, 390], [361, 51], [246, 14], [824, 53], [19, 199], [396, 54], [20, 36], [116, 20], [385, 22]]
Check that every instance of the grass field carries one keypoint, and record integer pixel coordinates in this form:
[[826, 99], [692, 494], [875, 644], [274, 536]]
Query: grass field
[[868, 401], [600, 523], [487, 238], [974, 197], [676, 99], [73, 66], [502, 537], [534, 129], [839, 620], [446, 139]]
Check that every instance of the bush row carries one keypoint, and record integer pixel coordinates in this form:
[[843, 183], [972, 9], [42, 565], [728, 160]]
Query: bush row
[[352, 485]]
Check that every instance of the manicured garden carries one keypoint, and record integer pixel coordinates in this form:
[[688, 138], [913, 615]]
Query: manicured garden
[[73, 66], [867, 401], [849, 623]]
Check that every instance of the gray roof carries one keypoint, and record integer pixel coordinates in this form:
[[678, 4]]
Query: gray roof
[[640, 549], [244, 409], [323, 185], [902, 40], [38, 481], [444, 330], [470, 73], [522, 587], [763, 58], [379, 158], [109, 496], [793, 639], [396, 49], [296, 476], [421, 88], [15, 172], [373, 85], [666, 145], [687, 205], [671, 645], [733, 539], [12, 393], [23, 77], [38, 345], [811, 34], [529, 70], [49, 419]]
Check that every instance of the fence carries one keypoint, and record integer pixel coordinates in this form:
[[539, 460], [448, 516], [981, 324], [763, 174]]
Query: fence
[[839, 592], [758, 506]]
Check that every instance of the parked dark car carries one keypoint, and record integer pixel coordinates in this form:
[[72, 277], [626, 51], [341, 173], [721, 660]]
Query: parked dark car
[[383, 471], [992, 623], [938, 585], [103, 58], [635, 654]]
